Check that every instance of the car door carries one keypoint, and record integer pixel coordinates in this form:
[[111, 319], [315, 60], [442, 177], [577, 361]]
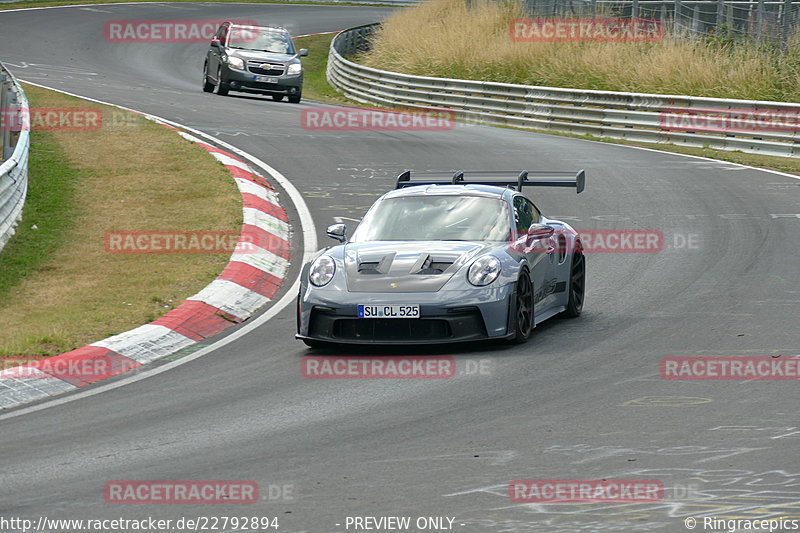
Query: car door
[[539, 251]]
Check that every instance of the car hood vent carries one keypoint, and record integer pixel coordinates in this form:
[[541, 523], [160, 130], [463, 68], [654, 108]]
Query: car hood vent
[[428, 264], [405, 267]]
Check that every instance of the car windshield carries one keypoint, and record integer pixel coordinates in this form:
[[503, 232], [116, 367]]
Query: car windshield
[[435, 218], [265, 40]]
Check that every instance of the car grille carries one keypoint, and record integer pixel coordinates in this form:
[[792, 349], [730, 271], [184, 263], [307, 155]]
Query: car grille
[[465, 323], [275, 69], [387, 329]]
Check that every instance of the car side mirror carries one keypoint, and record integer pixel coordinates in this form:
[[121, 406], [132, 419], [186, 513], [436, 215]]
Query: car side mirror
[[302, 52], [338, 232], [540, 231], [214, 43]]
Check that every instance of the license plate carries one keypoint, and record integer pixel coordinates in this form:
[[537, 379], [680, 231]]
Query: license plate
[[388, 311], [265, 79]]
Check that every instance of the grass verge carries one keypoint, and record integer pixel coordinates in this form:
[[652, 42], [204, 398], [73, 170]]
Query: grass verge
[[315, 81], [59, 288]]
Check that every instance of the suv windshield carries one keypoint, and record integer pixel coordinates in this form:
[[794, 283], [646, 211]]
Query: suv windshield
[[261, 39], [435, 218]]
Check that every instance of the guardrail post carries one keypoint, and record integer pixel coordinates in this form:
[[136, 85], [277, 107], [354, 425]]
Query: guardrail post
[[695, 31], [731, 22], [635, 9], [12, 124], [760, 21], [787, 18]]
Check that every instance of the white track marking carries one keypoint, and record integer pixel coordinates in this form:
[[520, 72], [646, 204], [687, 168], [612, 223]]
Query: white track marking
[[309, 247]]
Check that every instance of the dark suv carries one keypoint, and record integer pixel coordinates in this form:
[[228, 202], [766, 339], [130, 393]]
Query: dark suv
[[254, 58]]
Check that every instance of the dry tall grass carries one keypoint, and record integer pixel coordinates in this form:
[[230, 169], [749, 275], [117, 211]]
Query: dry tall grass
[[454, 39]]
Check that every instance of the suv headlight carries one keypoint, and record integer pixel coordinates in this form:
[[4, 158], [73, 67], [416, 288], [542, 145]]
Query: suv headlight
[[321, 271], [236, 62], [484, 270], [294, 68]]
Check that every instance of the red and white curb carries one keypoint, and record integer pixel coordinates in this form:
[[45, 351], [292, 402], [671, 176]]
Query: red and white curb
[[250, 280]]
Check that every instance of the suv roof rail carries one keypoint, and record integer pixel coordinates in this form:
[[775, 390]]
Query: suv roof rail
[[268, 26], [502, 178]]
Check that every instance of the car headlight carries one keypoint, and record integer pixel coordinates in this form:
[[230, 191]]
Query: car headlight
[[321, 271], [484, 270], [294, 68], [236, 62]]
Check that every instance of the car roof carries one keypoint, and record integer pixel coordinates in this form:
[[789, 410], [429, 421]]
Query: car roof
[[277, 29], [487, 191]]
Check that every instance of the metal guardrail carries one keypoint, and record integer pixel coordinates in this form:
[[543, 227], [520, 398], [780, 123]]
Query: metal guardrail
[[14, 148], [630, 116]]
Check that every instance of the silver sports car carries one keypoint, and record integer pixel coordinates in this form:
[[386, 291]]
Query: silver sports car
[[446, 259]]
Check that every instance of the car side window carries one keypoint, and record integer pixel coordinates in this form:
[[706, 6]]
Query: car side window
[[222, 33], [525, 214], [537, 215]]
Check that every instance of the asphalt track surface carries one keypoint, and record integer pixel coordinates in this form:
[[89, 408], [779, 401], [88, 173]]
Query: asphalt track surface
[[582, 400]]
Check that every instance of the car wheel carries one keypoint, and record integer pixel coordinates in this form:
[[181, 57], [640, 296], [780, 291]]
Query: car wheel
[[296, 98], [222, 87], [523, 310], [207, 86], [277, 97], [577, 285]]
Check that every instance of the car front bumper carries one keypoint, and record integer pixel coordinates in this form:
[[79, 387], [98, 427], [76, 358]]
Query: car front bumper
[[240, 80], [445, 316]]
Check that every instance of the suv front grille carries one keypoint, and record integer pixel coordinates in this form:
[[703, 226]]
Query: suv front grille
[[257, 67]]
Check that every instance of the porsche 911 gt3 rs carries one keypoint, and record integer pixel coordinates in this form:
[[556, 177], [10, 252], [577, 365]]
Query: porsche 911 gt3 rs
[[446, 259]]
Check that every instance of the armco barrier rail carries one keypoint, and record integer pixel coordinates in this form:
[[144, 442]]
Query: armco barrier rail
[[14, 147], [636, 117]]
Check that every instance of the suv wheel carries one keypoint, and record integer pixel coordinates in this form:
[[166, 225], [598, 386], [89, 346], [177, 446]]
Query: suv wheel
[[222, 87], [207, 86], [296, 98], [277, 97]]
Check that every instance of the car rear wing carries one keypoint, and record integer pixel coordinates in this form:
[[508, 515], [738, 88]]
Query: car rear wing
[[502, 178]]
